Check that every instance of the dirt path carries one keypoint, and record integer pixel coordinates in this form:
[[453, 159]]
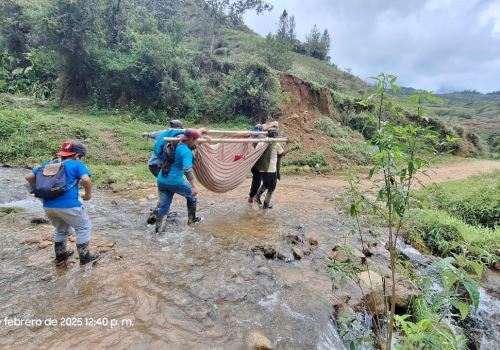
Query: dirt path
[[318, 190], [437, 174]]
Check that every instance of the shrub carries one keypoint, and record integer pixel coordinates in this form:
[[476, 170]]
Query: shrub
[[251, 90], [277, 53], [352, 151], [313, 160], [329, 128]]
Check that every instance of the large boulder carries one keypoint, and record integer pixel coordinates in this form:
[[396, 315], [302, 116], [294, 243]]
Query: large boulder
[[373, 301]]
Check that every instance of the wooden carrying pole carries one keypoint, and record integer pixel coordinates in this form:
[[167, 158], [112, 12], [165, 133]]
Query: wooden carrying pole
[[218, 140], [231, 132], [236, 132]]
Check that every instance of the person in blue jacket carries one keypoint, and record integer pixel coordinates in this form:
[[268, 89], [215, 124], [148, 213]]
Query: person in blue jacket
[[66, 210], [173, 181], [157, 157]]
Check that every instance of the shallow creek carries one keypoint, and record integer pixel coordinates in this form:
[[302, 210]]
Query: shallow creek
[[190, 288]]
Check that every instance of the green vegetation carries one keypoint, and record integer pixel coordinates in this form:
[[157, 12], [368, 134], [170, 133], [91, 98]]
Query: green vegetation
[[459, 216], [476, 200], [314, 160], [470, 110], [349, 145], [442, 234]]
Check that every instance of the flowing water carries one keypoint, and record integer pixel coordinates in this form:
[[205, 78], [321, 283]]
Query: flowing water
[[485, 320], [190, 288]]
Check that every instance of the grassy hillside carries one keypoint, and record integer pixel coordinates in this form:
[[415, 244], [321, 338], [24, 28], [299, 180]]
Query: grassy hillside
[[158, 66], [473, 110], [117, 153]]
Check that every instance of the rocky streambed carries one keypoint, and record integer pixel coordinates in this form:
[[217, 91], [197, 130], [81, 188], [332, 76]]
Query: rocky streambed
[[243, 278]]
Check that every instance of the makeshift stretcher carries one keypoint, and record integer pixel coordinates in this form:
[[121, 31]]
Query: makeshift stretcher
[[222, 164]]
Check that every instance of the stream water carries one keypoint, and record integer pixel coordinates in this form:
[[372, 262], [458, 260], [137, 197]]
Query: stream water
[[190, 288], [485, 320]]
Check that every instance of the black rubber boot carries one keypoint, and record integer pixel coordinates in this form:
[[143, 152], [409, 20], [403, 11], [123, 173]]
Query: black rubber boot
[[192, 218], [161, 222], [267, 202], [84, 254], [62, 254], [257, 199], [153, 214]]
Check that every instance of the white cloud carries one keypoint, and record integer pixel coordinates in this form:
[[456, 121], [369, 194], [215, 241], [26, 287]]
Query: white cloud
[[434, 44], [491, 16]]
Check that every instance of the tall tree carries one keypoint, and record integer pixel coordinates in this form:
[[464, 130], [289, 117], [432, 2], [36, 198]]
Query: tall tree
[[325, 43], [283, 27], [220, 10], [317, 45], [313, 43], [68, 27], [292, 35]]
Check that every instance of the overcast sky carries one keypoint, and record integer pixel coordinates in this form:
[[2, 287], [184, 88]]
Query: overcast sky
[[437, 45]]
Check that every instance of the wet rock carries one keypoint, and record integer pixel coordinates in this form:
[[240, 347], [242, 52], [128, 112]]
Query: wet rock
[[373, 301], [491, 283], [32, 241], [285, 257], [109, 244], [295, 239], [258, 341], [342, 256], [297, 253], [268, 251], [44, 244], [39, 221], [313, 241]]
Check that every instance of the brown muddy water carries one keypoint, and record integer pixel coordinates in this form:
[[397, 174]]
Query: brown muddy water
[[189, 288]]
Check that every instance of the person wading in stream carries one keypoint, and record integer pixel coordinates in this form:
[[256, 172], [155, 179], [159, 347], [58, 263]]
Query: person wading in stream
[[158, 157], [65, 210], [171, 179], [256, 180], [268, 167]]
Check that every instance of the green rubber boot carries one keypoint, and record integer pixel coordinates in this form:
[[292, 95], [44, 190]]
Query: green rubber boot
[[62, 254], [84, 254]]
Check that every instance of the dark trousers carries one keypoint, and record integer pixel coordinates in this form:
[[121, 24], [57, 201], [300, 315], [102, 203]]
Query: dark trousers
[[155, 170], [269, 181], [256, 180]]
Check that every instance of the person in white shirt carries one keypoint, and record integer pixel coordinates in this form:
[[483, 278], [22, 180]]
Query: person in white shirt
[[268, 168]]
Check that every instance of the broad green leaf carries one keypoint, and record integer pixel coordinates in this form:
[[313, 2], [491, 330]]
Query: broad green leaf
[[473, 290], [478, 268], [448, 278], [462, 307]]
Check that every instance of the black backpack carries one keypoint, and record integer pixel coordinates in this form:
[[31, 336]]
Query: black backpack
[[50, 181], [169, 152]]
